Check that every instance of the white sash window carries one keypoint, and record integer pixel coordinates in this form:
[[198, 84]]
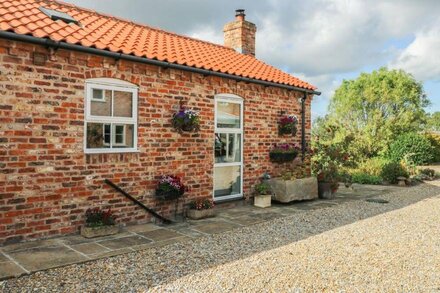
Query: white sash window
[[110, 116]]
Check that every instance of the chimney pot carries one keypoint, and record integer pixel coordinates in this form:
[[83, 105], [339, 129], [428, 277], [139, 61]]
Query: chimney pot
[[239, 14]]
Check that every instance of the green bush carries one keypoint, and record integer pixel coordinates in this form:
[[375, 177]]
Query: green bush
[[373, 166], [364, 178], [411, 147], [392, 171], [434, 138]]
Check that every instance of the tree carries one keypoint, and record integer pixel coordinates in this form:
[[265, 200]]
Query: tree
[[433, 122], [375, 108]]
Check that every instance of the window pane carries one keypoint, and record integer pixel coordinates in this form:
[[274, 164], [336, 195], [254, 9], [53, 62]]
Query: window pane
[[228, 115], [107, 134], [95, 136], [102, 107], [98, 94], [227, 147], [123, 136], [123, 104], [227, 181]]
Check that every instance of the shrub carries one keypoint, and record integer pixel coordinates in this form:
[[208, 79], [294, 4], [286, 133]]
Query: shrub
[[97, 217], [428, 172], [392, 170], [434, 139], [373, 166], [364, 178], [411, 147], [202, 204]]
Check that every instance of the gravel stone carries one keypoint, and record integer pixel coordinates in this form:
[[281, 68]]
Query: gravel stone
[[327, 249]]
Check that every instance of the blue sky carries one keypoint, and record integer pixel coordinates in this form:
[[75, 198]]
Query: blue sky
[[320, 41]]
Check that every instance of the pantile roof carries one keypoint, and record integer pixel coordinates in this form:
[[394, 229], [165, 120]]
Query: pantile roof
[[106, 32]]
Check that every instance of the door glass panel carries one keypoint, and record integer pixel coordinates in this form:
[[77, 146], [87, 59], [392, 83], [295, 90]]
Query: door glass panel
[[123, 104], [227, 181], [228, 115], [227, 147], [102, 105]]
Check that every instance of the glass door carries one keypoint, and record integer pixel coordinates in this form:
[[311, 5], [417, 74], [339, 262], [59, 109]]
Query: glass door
[[228, 151]]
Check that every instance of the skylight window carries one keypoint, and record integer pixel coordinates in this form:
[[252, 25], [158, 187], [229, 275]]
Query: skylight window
[[58, 15]]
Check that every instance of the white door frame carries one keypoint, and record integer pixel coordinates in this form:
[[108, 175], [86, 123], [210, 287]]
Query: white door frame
[[230, 98]]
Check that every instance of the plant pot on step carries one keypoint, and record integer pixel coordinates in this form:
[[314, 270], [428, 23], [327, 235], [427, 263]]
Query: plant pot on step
[[200, 214], [326, 190], [99, 231], [262, 200]]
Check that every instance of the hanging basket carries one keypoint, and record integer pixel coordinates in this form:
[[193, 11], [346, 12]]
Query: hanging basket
[[283, 157], [287, 125]]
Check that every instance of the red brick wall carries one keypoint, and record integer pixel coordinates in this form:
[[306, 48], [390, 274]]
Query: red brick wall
[[46, 180]]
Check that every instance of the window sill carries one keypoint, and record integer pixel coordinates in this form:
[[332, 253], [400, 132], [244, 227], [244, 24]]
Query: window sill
[[110, 151]]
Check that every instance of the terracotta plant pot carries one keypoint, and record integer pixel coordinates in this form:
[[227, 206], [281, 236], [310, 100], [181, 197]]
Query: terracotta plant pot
[[325, 190], [200, 214], [92, 232]]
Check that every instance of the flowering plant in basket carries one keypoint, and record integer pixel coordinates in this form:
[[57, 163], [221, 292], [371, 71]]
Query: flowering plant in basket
[[170, 187], [285, 152], [202, 204], [186, 120], [287, 125]]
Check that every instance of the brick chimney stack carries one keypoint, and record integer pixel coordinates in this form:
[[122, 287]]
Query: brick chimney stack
[[240, 34]]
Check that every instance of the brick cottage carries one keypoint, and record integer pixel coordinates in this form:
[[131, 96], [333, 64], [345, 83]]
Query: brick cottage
[[86, 97]]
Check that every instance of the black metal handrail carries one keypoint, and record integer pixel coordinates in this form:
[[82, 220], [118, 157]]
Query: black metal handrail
[[130, 197]]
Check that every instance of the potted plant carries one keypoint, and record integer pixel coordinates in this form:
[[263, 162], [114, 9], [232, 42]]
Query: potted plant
[[327, 184], [326, 163], [201, 208], [99, 223], [281, 153], [170, 187], [287, 125], [186, 120], [263, 195]]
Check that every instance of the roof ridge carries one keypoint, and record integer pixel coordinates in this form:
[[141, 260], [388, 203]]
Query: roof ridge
[[59, 2]]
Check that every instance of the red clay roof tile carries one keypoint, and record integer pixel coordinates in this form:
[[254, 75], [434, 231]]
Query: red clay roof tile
[[118, 35]]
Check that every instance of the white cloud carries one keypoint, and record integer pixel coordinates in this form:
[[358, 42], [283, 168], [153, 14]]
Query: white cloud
[[422, 56]]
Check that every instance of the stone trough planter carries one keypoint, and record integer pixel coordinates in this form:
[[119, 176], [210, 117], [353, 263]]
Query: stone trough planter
[[292, 190], [92, 232], [200, 214]]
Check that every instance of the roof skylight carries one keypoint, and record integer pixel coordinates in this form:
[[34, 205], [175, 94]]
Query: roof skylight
[[58, 15]]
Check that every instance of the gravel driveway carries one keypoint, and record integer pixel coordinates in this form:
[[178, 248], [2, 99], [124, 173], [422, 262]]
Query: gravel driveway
[[397, 249]]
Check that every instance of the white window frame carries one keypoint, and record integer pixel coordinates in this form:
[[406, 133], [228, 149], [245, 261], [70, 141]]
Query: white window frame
[[113, 85], [230, 98]]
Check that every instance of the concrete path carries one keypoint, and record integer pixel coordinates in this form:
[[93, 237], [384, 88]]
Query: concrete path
[[24, 258]]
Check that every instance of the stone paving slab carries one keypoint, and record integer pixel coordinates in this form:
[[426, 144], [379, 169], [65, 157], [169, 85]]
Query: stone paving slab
[[41, 258], [10, 269], [90, 248], [124, 242], [17, 259]]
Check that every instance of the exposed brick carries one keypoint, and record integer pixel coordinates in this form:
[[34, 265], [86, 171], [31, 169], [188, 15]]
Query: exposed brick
[[54, 182]]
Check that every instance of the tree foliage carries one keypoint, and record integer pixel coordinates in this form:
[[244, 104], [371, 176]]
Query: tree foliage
[[372, 110], [433, 122]]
